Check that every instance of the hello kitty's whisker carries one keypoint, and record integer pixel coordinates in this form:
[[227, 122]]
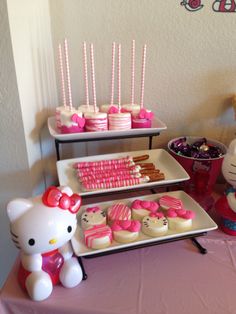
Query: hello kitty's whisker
[[15, 241], [232, 172], [232, 180], [13, 234], [232, 165]]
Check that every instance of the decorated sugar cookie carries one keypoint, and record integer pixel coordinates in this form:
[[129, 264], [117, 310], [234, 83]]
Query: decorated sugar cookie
[[119, 211], [180, 219], [141, 208], [125, 231], [155, 224], [98, 237], [93, 216], [167, 201]]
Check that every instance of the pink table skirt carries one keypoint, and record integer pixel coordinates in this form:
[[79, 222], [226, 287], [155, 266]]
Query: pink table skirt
[[169, 278]]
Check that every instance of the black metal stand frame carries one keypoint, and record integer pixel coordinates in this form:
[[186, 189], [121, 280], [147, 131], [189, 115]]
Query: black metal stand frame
[[118, 137], [192, 237]]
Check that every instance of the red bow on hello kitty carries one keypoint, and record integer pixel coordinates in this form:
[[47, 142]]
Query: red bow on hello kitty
[[53, 197]]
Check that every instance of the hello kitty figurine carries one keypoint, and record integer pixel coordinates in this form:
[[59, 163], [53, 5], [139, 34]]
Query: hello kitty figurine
[[42, 228], [226, 205]]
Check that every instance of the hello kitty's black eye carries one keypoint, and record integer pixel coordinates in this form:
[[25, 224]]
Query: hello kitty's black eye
[[31, 242], [69, 229]]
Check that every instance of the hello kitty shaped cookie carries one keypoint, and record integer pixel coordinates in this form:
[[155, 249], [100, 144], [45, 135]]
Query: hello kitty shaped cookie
[[42, 228], [93, 216], [155, 224]]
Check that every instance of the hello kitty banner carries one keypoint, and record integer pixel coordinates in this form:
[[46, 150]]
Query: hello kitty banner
[[222, 6]]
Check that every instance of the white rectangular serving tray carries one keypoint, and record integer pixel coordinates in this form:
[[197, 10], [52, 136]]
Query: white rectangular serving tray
[[201, 223], [157, 126], [173, 171]]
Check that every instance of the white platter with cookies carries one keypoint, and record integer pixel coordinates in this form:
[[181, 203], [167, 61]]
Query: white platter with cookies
[[160, 158], [201, 223]]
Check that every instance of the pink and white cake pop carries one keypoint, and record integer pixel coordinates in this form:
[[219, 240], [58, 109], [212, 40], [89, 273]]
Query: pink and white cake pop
[[93, 216], [72, 121], [180, 219], [125, 231], [142, 119], [142, 208], [95, 121], [118, 211], [155, 224], [119, 121], [98, 237]]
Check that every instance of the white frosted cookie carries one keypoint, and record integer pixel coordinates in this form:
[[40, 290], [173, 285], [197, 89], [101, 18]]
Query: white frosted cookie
[[142, 208], [167, 201], [98, 237], [125, 231], [180, 219], [119, 121], [118, 211], [93, 216], [87, 108], [132, 108], [155, 224]]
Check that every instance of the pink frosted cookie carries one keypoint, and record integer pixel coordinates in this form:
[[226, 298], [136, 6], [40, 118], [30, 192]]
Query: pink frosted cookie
[[168, 201], [155, 224], [140, 208], [180, 219], [125, 231], [119, 121], [119, 211], [98, 237], [143, 119], [93, 216], [95, 121]]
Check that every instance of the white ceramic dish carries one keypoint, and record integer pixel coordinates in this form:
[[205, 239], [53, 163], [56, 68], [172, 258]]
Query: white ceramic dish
[[158, 126], [173, 171], [201, 223]]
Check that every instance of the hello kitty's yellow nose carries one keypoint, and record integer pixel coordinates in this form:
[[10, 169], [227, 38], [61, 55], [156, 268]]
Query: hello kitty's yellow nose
[[53, 241]]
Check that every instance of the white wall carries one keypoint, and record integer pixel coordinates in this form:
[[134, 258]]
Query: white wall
[[190, 75], [14, 170]]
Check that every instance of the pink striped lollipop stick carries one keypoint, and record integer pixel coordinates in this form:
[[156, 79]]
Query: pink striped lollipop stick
[[113, 72], [63, 90], [143, 76], [86, 73], [119, 77], [68, 74], [93, 77], [132, 71]]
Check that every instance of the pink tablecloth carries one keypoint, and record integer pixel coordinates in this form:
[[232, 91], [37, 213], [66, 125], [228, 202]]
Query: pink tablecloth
[[169, 278]]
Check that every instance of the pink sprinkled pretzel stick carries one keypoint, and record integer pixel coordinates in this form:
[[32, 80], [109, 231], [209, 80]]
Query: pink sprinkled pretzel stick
[[93, 78], [107, 167], [115, 184], [63, 90], [85, 164], [68, 74], [109, 179], [132, 71], [143, 76], [113, 72], [88, 171], [107, 174], [86, 73]]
